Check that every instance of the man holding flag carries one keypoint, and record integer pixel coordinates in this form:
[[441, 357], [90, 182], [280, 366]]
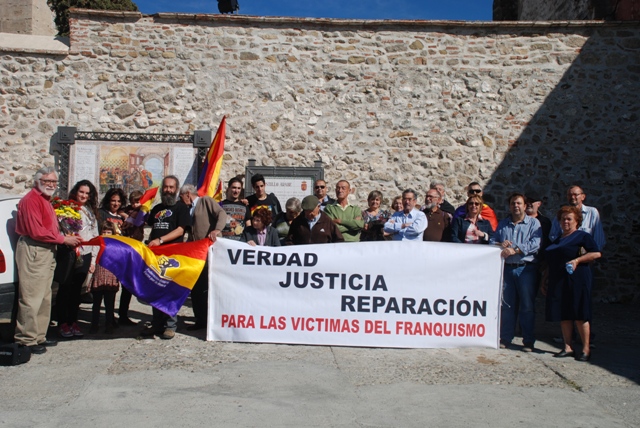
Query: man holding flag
[[169, 220], [208, 219]]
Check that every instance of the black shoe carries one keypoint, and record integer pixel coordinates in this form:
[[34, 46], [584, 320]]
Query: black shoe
[[196, 326], [48, 343], [37, 349], [563, 354], [126, 321], [583, 357]]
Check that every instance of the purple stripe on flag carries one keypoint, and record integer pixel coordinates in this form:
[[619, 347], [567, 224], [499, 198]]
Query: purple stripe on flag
[[141, 280]]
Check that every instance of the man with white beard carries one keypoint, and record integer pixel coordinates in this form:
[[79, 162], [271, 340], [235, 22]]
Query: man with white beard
[[169, 220], [37, 225]]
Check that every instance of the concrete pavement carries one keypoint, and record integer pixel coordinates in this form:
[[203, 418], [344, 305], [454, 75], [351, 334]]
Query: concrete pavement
[[124, 380]]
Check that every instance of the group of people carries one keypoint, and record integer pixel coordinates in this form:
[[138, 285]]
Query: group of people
[[557, 254]]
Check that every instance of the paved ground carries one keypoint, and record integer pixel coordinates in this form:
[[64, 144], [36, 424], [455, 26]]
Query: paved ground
[[122, 380]]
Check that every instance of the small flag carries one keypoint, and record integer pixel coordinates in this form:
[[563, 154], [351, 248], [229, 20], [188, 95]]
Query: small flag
[[146, 200], [213, 163], [162, 276]]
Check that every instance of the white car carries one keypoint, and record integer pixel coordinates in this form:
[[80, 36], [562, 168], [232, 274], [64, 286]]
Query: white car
[[8, 241]]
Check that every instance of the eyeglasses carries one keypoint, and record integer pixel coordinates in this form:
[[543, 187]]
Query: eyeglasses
[[433, 197], [475, 204], [575, 194], [474, 191], [49, 182], [320, 187]]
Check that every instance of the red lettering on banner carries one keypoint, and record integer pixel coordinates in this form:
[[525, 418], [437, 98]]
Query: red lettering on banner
[[237, 321], [280, 324], [329, 325], [410, 328], [376, 327]]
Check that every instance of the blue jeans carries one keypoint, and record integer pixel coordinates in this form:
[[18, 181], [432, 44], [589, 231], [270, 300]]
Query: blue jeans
[[162, 321], [521, 285]]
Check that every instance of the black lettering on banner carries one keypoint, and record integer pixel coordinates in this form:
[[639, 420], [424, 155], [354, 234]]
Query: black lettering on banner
[[294, 259], [467, 307], [408, 305], [436, 307], [248, 256], [424, 307], [317, 281], [478, 308], [279, 259], [263, 258], [310, 259], [232, 259], [348, 301]]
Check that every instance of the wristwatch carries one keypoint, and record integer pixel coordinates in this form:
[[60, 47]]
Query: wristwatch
[[161, 242]]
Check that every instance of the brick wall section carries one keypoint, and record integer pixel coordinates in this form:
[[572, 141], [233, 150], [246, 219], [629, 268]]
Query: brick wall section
[[386, 105]]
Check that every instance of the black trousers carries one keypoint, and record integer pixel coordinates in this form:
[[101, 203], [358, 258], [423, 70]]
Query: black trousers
[[200, 296], [125, 301], [68, 298], [109, 306]]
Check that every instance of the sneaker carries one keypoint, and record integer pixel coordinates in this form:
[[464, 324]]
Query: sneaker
[[168, 334], [65, 331], [76, 330]]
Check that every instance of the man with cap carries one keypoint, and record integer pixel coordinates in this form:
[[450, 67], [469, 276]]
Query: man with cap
[[313, 226]]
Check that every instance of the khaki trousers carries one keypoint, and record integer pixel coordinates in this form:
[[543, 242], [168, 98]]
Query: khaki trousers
[[36, 262]]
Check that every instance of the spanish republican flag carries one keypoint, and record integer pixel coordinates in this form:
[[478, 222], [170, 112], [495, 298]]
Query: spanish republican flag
[[146, 201], [213, 164], [162, 276]]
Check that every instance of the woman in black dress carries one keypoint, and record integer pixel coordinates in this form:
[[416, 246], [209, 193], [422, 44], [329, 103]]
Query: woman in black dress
[[570, 278]]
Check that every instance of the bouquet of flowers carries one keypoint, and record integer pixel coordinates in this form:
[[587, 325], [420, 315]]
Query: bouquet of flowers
[[68, 213]]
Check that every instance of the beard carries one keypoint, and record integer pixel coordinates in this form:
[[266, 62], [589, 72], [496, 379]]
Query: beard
[[430, 205], [42, 188], [168, 199]]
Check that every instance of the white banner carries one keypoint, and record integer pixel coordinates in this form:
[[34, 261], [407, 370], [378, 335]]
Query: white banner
[[378, 294]]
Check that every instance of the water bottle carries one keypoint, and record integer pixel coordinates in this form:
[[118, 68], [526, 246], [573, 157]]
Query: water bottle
[[569, 267]]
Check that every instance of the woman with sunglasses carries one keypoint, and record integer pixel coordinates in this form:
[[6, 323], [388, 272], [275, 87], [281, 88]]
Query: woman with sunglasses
[[472, 228]]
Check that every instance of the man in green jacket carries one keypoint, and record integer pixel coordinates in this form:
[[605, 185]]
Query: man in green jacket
[[348, 217]]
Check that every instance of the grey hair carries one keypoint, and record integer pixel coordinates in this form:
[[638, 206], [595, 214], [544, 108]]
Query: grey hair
[[410, 190], [293, 204], [433, 184], [45, 170], [188, 188]]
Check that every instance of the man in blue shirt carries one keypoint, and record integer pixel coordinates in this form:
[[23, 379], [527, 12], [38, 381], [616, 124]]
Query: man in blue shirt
[[408, 224], [519, 235], [590, 218]]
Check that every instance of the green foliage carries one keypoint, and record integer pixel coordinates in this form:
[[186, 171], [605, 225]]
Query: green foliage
[[61, 9]]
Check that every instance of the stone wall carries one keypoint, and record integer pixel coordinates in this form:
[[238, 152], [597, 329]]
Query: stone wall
[[26, 17], [386, 105]]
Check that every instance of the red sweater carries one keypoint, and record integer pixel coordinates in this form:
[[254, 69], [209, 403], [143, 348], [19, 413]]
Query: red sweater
[[37, 218]]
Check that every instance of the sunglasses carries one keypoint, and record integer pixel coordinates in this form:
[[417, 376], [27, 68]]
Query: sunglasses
[[320, 187], [474, 191], [475, 204]]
